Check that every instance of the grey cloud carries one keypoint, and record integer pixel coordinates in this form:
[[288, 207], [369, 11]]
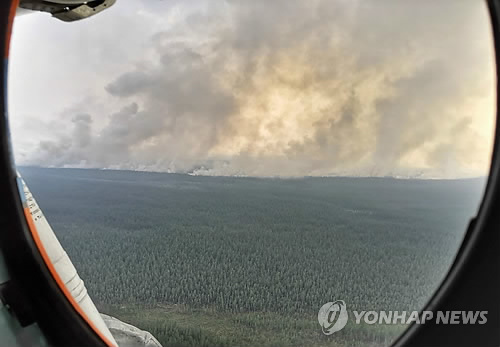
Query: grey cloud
[[130, 83]]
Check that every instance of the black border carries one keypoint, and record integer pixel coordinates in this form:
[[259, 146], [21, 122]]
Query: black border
[[473, 282]]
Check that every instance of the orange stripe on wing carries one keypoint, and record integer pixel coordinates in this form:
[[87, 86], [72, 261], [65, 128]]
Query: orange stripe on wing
[[58, 279]]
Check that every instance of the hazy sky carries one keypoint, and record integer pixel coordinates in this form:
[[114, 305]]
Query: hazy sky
[[263, 88]]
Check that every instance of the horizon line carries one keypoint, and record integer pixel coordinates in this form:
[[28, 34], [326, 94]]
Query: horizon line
[[395, 177]]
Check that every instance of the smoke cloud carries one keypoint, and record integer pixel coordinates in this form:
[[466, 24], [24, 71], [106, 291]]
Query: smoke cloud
[[287, 88]]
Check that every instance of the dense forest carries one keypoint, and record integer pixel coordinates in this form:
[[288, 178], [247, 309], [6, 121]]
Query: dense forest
[[206, 261]]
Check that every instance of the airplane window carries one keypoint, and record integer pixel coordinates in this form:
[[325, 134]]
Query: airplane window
[[283, 173]]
